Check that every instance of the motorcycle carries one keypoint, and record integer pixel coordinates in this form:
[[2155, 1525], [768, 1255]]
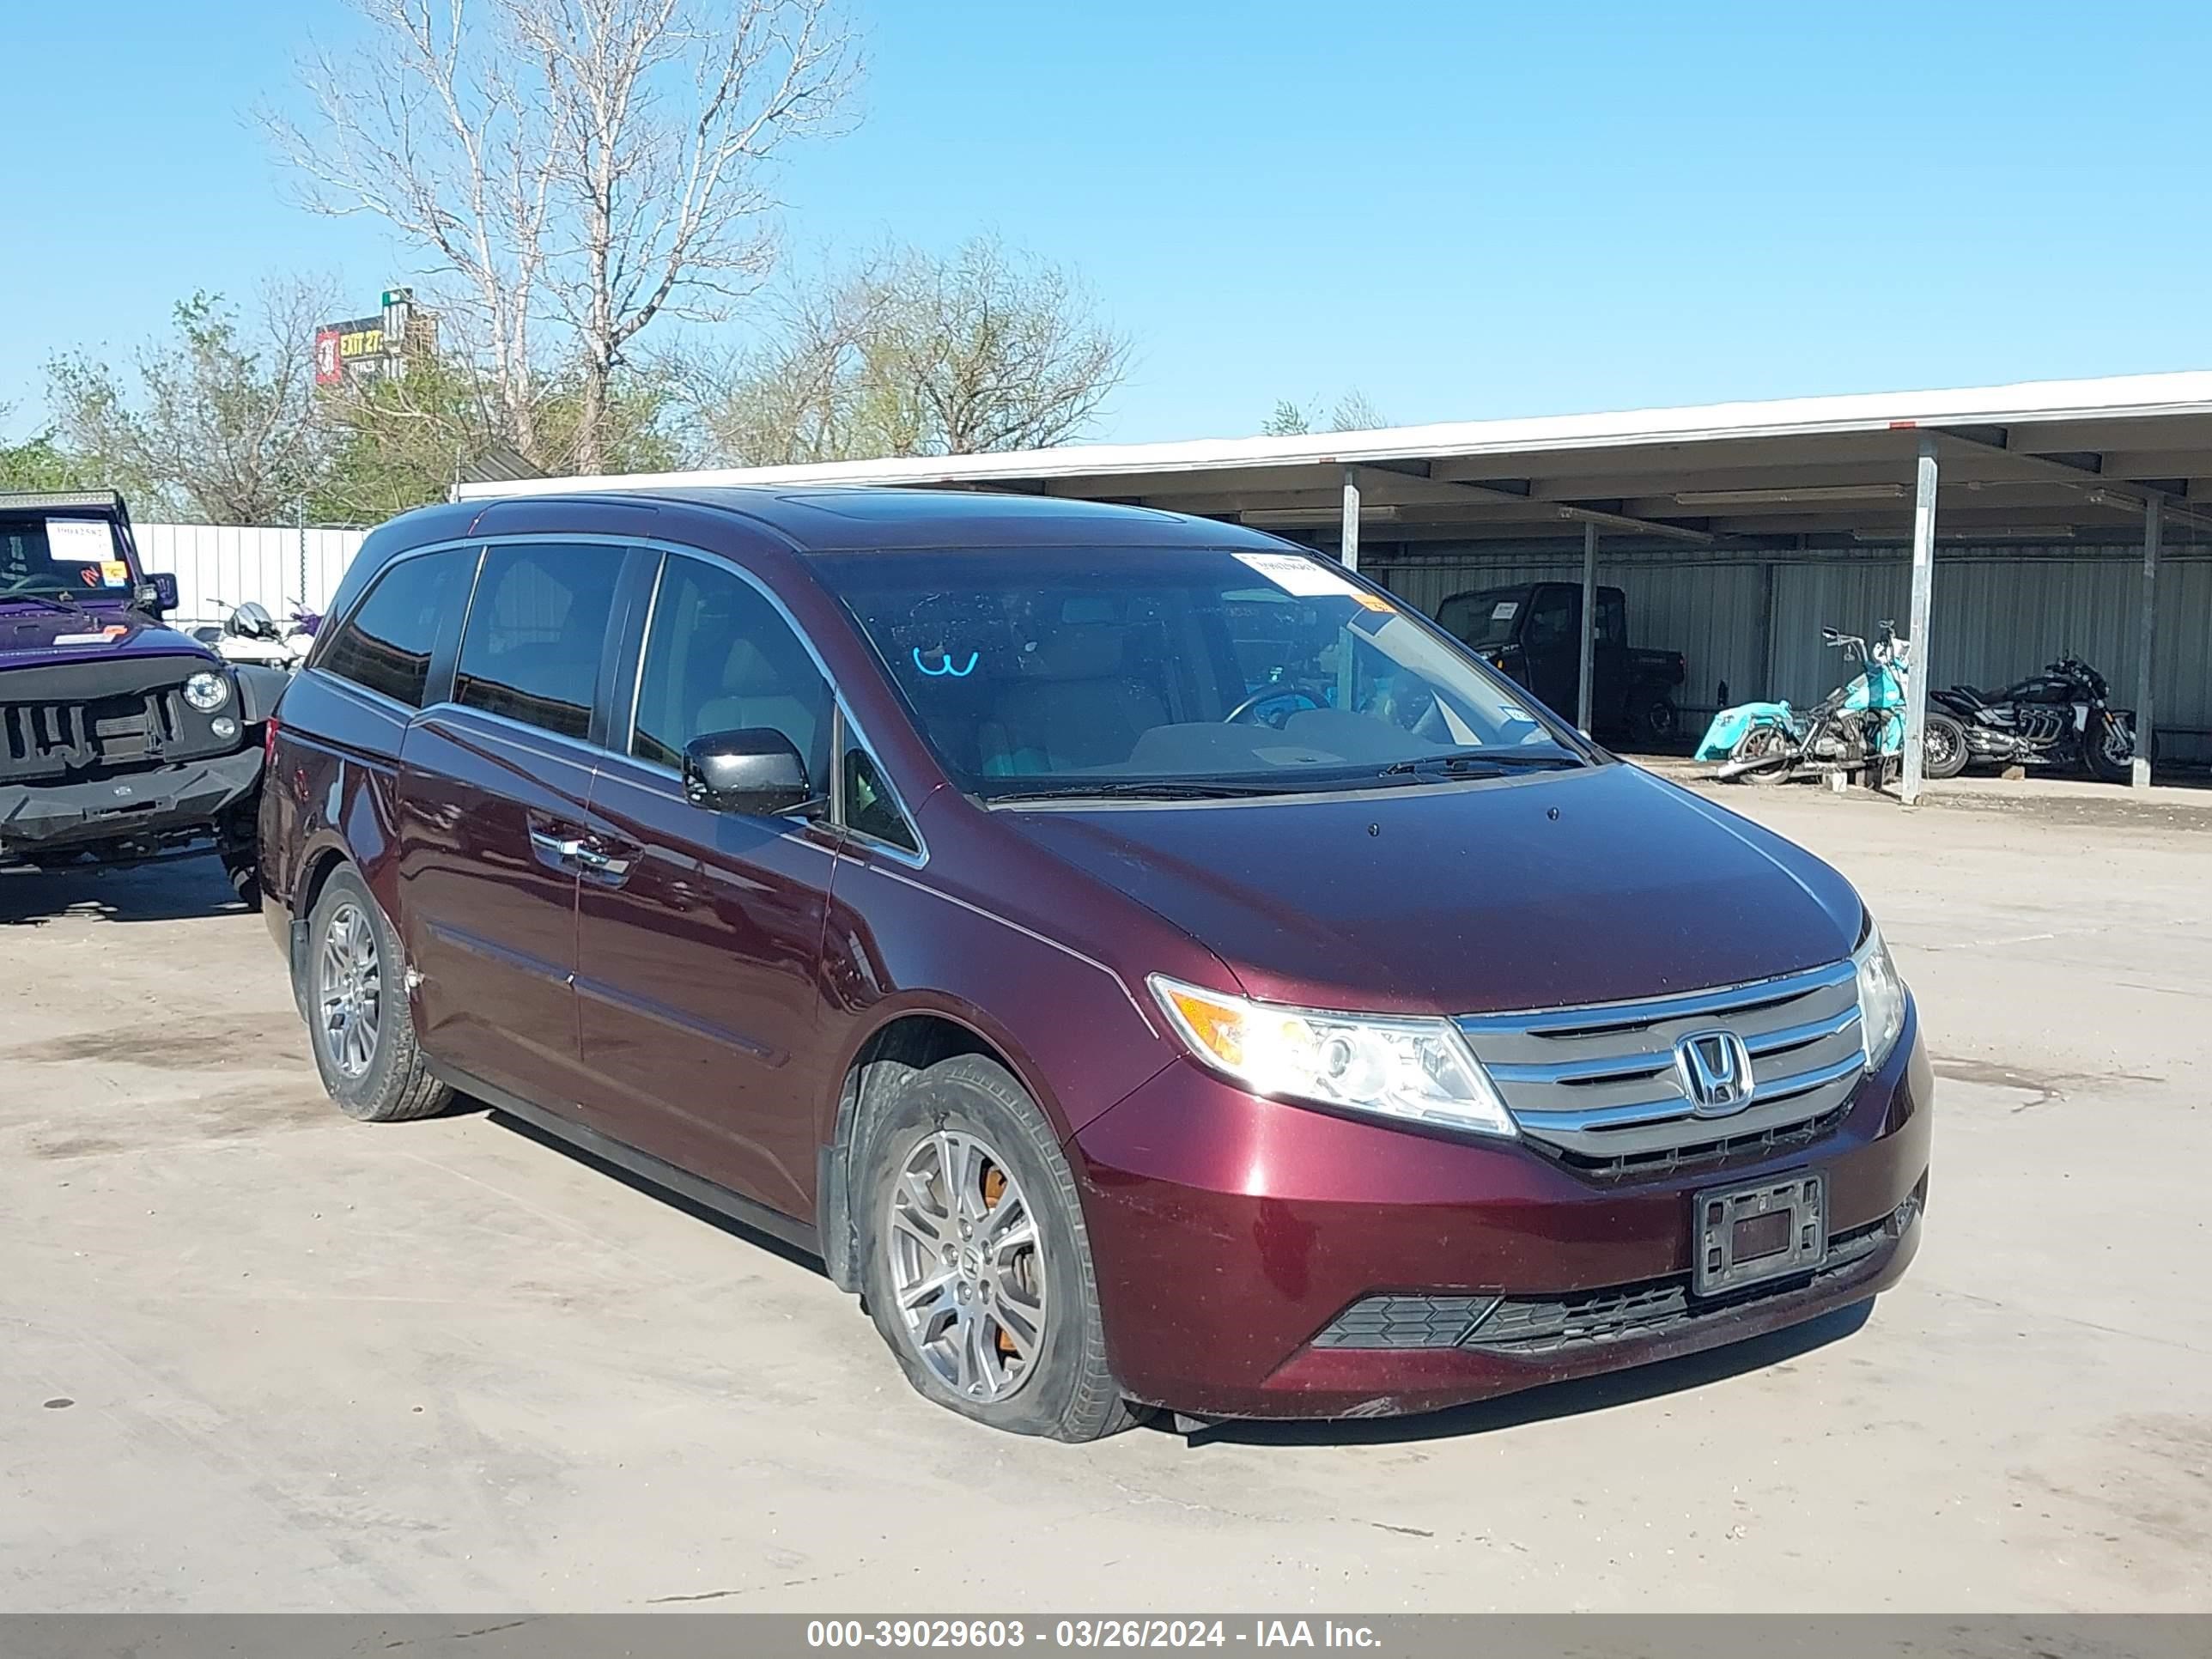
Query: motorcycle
[[1860, 723], [249, 633], [2056, 718]]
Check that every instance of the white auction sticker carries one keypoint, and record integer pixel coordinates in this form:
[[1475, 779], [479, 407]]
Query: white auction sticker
[[1307, 578], [80, 541]]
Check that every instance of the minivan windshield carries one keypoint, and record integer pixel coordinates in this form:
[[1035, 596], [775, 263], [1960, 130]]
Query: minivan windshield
[[1179, 671]]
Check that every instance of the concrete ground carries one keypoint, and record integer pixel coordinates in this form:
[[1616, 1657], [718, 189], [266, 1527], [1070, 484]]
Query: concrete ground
[[253, 1356]]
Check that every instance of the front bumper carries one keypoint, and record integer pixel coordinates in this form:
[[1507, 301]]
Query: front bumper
[[161, 804], [1230, 1233]]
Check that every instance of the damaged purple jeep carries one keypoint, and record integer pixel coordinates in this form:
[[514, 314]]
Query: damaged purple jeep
[[121, 739]]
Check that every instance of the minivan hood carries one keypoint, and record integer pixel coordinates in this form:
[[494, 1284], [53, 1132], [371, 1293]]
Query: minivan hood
[[1539, 891], [32, 634]]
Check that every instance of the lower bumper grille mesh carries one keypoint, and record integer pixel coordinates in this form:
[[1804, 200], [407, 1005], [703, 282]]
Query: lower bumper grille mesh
[[1538, 1325]]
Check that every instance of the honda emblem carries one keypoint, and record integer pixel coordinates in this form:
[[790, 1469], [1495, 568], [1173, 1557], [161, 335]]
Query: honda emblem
[[1716, 1073]]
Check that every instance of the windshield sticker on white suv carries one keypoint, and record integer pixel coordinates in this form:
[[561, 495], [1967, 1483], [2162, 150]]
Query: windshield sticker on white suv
[[1307, 578], [80, 541]]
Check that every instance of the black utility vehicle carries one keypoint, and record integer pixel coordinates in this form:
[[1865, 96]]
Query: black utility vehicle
[[1533, 632]]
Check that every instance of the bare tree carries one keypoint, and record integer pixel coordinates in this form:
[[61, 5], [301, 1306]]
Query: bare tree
[[1355, 411], [908, 353], [216, 421], [596, 163]]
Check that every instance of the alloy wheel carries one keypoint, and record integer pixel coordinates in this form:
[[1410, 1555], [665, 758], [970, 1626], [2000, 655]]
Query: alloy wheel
[[349, 990], [966, 1267]]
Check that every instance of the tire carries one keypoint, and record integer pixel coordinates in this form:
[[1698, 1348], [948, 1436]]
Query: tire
[[1759, 742], [968, 1116], [237, 847], [1659, 722], [1942, 747], [2108, 750], [371, 1065]]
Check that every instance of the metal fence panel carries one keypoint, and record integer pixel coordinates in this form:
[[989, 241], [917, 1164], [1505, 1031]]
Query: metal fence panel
[[277, 567]]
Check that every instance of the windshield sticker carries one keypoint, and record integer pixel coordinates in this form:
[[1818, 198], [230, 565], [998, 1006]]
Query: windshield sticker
[[1307, 578], [116, 573], [106, 636], [1373, 601], [1504, 610], [80, 541]]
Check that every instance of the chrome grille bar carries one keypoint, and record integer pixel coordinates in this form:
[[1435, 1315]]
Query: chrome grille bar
[[1602, 1083]]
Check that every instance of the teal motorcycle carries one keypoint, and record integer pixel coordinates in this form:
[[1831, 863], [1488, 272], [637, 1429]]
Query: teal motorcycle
[[1859, 725]]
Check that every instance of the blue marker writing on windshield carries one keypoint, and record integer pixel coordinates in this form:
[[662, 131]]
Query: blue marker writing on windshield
[[945, 666]]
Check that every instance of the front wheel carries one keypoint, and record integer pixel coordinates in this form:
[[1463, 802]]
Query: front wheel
[[1942, 747], [976, 1263], [2108, 748]]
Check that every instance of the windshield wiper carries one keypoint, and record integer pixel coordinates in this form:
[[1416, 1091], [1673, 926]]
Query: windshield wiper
[[1476, 762], [1143, 789], [47, 600]]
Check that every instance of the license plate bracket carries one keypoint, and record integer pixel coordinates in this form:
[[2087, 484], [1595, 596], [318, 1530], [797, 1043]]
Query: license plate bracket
[[1747, 1234]]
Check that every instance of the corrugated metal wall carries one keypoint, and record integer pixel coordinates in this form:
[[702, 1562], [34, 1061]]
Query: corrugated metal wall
[[279, 567], [2000, 613]]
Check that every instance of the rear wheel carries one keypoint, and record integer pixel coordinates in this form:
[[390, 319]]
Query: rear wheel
[[1942, 747], [976, 1263], [1765, 750], [1658, 720], [358, 1019]]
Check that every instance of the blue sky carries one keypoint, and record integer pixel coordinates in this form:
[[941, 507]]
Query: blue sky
[[1465, 210]]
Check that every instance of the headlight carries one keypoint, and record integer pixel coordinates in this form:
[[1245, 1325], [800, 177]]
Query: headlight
[[206, 692], [1881, 997], [1416, 1071]]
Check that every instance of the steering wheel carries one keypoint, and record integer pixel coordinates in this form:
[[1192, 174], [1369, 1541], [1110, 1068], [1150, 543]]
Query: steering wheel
[[1267, 694]]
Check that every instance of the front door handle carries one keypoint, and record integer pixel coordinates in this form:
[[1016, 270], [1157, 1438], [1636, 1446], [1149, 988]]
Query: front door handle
[[599, 863]]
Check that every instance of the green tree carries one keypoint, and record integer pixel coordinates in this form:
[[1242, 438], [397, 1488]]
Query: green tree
[[1287, 420], [1355, 411], [213, 422], [40, 463]]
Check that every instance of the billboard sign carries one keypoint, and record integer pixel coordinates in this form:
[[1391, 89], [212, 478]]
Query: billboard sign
[[347, 349]]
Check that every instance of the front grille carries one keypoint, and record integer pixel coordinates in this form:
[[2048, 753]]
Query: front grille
[[1601, 1087], [131, 728]]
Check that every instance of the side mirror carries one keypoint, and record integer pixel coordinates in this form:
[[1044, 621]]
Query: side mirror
[[755, 770], [159, 593]]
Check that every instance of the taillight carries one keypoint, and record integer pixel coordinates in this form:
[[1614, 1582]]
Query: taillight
[[269, 743]]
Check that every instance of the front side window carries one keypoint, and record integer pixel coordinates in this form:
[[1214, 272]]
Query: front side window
[[1612, 616], [386, 645], [719, 656], [537, 627], [1171, 671], [1551, 619]]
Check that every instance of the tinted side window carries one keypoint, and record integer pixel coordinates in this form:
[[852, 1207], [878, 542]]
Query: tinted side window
[[536, 629], [386, 645], [718, 658], [869, 808], [1612, 618], [1551, 619]]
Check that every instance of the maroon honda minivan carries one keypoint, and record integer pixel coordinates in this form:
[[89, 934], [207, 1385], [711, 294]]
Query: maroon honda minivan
[[1152, 965]]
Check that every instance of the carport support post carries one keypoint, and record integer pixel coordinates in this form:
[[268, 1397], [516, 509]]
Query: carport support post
[[1923, 585], [2147, 645], [1590, 625], [1350, 550]]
